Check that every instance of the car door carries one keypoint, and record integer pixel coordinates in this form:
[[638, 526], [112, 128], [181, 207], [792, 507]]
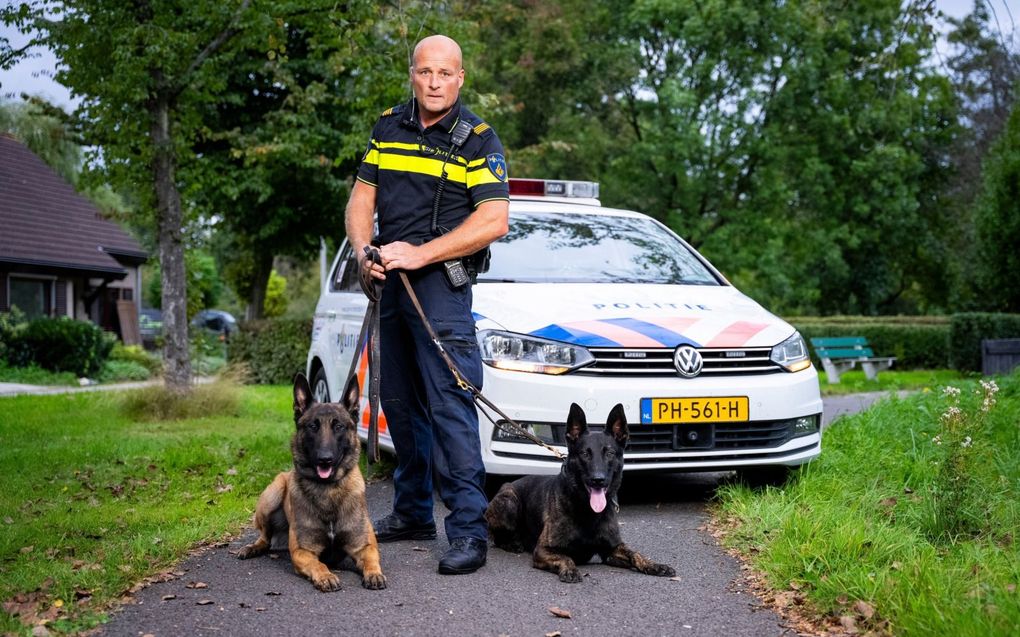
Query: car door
[[343, 318]]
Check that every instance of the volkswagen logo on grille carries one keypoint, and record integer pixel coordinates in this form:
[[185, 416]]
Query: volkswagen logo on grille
[[688, 361]]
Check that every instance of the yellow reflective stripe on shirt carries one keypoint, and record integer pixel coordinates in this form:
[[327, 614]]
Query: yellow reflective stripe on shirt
[[422, 165], [371, 157], [414, 147], [480, 176]]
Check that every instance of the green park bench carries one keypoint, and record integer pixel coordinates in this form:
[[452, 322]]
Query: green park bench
[[843, 353]]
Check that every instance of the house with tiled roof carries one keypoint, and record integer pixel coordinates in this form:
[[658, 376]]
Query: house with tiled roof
[[58, 255]]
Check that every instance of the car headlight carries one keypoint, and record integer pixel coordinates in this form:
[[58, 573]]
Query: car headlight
[[791, 354], [523, 353]]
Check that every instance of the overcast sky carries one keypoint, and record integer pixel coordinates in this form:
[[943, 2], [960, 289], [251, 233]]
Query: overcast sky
[[34, 76]]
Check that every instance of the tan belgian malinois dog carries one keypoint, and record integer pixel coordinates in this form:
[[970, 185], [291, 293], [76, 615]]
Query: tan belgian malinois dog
[[320, 503]]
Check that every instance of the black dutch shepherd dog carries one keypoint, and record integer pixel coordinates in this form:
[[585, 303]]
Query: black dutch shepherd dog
[[320, 504], [565, 519]]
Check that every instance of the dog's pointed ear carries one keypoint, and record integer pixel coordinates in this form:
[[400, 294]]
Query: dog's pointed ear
[[302, 395], [577, 424], [352, 401], [617, 425]]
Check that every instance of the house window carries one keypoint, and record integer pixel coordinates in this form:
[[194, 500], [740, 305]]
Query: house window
[[32, 296]]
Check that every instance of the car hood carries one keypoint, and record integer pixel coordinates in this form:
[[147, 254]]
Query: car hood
[[628, 315]]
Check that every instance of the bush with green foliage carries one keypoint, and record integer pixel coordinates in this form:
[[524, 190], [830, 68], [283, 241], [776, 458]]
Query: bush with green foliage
[[136, 354], [61, 345], [917, 342], [121, 370], [12, 324], [273, 349], [967, 330]]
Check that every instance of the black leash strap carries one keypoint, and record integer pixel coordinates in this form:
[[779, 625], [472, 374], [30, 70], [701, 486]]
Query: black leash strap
[[370, 329], [515, 428]]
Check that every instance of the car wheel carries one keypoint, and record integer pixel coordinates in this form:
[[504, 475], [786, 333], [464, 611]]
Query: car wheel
[[320, 388], [767, 476]]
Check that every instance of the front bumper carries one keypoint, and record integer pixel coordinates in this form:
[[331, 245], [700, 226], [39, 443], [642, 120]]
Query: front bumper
[[774, 400]]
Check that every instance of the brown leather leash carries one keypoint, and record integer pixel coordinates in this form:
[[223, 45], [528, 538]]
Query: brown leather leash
[[515, 428]]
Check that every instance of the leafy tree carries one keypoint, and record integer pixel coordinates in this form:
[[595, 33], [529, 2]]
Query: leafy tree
[[141, 71], [983, 70], [46, 134], [276, 296], [998, 220], [204, 284], [793, 142]]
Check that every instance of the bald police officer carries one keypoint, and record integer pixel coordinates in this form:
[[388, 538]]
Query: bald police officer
[[433, 423]]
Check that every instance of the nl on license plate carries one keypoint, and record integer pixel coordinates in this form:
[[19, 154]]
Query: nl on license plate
[[685, 410]]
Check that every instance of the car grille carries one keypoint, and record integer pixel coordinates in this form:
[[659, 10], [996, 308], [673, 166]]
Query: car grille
[[734, 435], [761, 434], [618, 361]]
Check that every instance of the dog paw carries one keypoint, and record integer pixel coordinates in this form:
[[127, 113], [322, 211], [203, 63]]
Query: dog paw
[[660, 570], [327, 583], [571, 576], [248, 552], [374, 581]]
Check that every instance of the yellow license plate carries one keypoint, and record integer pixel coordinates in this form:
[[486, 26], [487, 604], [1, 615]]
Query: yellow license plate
[[687, 410]]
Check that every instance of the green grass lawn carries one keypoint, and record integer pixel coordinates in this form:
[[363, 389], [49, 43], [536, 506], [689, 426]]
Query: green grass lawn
[[854, 382], [93, 503], [911, 515]]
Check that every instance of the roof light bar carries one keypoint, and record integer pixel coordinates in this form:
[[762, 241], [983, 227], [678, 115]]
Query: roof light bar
[[554, 188]]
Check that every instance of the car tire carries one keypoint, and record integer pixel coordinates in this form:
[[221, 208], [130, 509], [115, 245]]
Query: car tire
[[768, 476], [320, 388]]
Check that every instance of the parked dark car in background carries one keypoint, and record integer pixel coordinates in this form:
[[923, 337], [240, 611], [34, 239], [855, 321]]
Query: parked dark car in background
[[150, 326], [216, 321]]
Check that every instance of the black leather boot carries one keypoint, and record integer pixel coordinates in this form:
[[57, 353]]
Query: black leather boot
[[466, 555], [392, 528]]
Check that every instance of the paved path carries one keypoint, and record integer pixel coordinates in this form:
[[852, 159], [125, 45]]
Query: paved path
[[661, 516]]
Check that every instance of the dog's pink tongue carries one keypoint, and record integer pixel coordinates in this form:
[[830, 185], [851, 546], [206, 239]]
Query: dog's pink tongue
[[324, 472], [597, 499]]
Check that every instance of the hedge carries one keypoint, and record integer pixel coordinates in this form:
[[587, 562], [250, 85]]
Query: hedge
[[967, 330], [272, 349], [916, 345]]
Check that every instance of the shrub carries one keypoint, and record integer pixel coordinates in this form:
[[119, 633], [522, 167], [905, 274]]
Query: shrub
[[967, 330], [12, 324], [920, 344], [273, 349], [137, 355], [64, 345], [115, 370]]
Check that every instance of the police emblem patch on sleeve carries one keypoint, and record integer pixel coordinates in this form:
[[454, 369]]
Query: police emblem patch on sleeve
[[497, 165]]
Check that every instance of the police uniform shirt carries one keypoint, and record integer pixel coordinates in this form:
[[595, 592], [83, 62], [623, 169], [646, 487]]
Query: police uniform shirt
[[404, 162]]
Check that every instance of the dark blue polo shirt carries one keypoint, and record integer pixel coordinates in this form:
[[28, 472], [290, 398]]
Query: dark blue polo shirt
[[404, 162]]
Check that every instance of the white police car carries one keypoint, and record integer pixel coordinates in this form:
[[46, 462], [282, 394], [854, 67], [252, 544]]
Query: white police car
[[595, 306]]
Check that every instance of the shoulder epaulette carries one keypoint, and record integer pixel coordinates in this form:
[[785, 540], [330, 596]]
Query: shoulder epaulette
[[481, 128], [393, 110]]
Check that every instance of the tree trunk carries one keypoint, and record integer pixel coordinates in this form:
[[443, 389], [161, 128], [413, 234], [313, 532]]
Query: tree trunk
[[176, 357], [259, 283]]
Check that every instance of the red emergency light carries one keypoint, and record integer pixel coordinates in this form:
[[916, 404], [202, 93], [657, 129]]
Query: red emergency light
[[554, 188]]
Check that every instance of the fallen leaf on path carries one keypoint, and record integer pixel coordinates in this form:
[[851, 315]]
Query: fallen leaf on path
[[274, 593], [203, 602], [864, 609], [554, 634], [559, 612], [848, 623], [675, 579], [167, 598], [196, 585]]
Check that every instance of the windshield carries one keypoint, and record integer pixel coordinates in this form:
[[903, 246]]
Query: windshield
[[572, 248]]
